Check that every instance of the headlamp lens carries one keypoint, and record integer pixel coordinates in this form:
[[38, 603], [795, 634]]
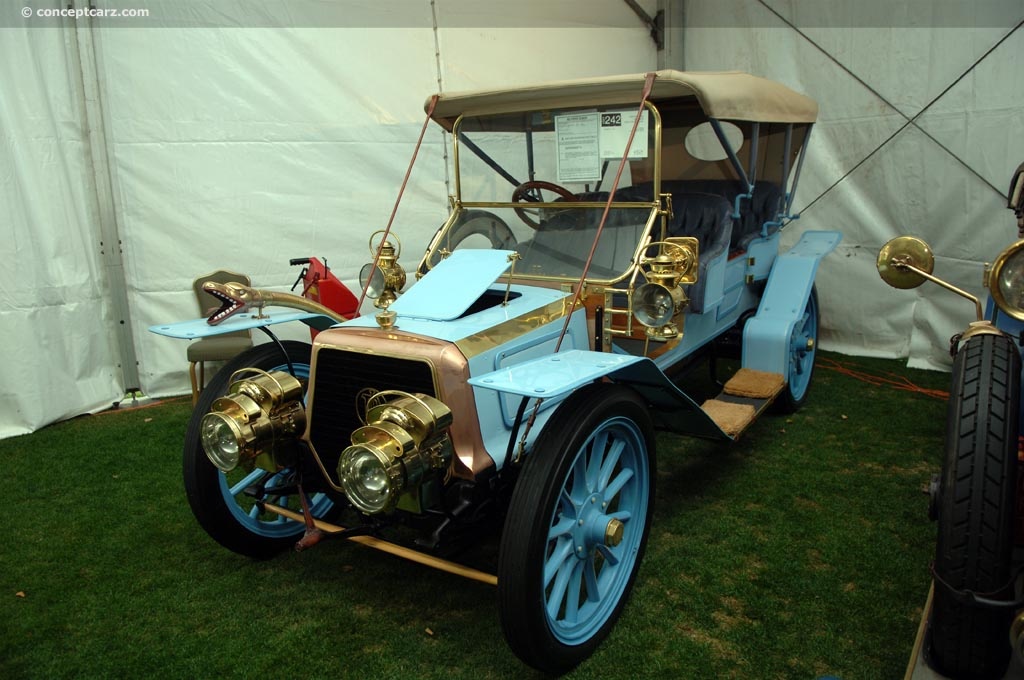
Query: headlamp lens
[[653, 305], [220, 441], [365, 479], [1011, 282], [1006, 281], [375, 277]]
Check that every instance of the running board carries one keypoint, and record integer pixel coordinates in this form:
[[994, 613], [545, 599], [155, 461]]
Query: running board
[[747, 394], [391, 548]]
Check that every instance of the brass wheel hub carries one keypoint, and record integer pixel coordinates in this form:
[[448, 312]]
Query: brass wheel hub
[[613, 533]]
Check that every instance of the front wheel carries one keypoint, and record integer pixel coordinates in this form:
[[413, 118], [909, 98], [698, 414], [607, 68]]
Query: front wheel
[[226, 505], [976, 510], [576, 528]]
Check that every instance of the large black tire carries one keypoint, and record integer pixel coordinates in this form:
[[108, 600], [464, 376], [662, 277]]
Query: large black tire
[[976, 509], [562, 582], [230, 518]]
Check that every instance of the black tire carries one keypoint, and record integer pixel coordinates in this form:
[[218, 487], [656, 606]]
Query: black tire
[[803, 351], [225, 516], [555, 524], [976, 509]]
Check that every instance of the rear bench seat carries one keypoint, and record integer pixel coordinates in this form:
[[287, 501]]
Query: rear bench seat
[[704, 209], [763, 207]]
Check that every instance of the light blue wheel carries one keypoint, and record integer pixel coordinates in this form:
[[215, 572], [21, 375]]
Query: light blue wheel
[[227, 505], [803, 348], [576, 527], [588, 567]]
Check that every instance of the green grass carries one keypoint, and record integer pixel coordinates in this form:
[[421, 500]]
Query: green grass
[[799, 551]]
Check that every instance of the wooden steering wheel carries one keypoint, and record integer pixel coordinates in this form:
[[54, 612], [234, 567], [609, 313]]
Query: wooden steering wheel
[[529, 192]]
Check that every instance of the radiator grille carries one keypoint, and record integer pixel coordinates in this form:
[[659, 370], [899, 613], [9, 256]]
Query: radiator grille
[[341, 375]]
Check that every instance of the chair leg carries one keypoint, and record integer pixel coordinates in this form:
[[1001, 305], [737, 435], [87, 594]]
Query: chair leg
[[195, 385]]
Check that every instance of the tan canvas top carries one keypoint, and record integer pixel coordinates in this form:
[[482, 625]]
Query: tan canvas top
[[726, 95]]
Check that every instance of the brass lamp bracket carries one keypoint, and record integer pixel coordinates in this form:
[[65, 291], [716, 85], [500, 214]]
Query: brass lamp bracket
[[674, 264]]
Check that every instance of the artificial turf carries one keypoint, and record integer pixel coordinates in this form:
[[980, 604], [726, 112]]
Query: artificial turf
[[801, 550]]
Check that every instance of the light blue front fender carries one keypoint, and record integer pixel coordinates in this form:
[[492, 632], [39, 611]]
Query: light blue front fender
[[199, 328], [556, 375], [766, 337]]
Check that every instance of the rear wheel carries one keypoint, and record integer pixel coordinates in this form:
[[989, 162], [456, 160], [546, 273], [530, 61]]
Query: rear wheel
[[976, 509], [576, 528], [803, 349], [225, 505]]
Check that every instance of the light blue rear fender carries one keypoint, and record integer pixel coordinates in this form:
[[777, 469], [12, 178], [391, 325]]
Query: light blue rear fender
[[766, 337]]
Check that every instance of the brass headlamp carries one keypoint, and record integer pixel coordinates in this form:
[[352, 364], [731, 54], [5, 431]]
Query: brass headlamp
[[387, 278], [661, 298], [257, 415], [1006, 281], [406, 437]]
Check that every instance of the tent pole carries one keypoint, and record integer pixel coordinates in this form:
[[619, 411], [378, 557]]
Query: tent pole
[[100, 153], [670, 53]]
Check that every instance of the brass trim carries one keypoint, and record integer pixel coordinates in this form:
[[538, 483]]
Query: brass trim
[[392, 548], [495, 336], [613, 532], [983, 327], [950, 287], [993, 276], [657, 145], [676, 262], [904, 262], [436, 240], [1017, 630]]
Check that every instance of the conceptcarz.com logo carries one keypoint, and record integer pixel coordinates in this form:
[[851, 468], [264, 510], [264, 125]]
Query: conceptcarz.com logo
[[82, 12]]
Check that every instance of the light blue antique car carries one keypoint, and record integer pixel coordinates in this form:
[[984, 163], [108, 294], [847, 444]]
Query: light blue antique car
[[604, 234]]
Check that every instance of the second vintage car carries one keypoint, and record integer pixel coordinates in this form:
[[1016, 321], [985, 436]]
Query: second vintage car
[[976, 613], [605, 234]]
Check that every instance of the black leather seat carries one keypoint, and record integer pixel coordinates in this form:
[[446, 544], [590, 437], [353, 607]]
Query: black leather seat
[[762, 207], [708, 218]]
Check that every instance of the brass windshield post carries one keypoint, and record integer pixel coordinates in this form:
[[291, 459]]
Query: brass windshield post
[[512, 258]]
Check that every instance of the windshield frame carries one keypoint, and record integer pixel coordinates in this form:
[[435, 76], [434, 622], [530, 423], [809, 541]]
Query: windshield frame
[[655, 207]]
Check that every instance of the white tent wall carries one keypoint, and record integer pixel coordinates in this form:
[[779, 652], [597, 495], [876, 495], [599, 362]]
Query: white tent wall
[[920, 128], [56, 318], [241, 135], [243, 148]]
